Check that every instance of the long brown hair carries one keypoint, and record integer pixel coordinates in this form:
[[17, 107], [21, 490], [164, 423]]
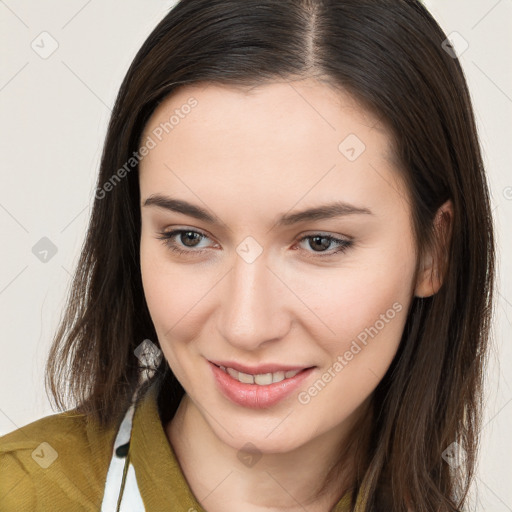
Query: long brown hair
[[389, 54]]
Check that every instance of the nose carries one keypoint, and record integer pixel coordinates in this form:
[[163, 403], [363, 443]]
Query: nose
[[254, 305]]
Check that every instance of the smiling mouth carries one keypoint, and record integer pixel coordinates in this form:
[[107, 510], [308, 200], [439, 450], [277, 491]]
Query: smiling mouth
[[259, 390], [261, 379]]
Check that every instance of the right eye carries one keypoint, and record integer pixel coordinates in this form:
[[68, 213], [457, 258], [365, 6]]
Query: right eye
[[178, 240]]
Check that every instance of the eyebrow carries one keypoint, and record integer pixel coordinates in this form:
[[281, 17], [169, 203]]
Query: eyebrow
[[327, 211]]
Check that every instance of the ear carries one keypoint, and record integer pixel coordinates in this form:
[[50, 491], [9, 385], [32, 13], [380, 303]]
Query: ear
[[433, 264]]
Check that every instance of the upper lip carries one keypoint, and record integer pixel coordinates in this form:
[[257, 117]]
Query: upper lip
[[260, 369]]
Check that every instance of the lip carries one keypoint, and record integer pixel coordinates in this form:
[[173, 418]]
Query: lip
[[257, 370], [255, 396]]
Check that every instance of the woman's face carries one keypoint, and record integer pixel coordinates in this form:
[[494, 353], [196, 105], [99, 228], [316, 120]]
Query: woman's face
[[248, 287]]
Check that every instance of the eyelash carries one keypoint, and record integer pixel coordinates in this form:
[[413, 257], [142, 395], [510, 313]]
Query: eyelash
[[167, 237]]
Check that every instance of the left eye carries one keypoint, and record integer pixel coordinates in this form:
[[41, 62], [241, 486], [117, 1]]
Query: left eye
[[189, 240], [323, 242]]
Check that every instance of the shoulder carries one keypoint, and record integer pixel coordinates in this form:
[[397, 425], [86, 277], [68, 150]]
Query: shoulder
[[55, 462]]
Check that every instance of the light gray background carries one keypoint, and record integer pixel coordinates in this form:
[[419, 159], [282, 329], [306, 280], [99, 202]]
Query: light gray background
[[54, 113]]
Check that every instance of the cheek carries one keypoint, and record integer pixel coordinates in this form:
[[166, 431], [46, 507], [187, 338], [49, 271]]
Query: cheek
[[176, 294], [365, 312], [365, 299], [164, 289], [169, 299]]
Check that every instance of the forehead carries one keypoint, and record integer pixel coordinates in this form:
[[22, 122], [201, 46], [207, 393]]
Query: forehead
[[279, 139], [288, 112]]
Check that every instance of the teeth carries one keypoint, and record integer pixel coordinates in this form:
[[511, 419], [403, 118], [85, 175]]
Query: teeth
[[278, 377], [245, 378], [262, 379], [232, 372]]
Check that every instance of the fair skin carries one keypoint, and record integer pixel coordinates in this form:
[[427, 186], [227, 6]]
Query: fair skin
[[247, 159]]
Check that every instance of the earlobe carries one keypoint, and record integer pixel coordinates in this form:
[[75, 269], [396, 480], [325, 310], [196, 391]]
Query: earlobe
[[429, 281], [434, 262]]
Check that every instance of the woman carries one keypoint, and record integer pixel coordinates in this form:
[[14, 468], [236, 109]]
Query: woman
[[284, 298]]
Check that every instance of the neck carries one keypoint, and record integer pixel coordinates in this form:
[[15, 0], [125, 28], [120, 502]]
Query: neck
[[311, 476]]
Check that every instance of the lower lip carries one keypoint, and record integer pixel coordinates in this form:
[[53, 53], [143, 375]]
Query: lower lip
[[254, 395]]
